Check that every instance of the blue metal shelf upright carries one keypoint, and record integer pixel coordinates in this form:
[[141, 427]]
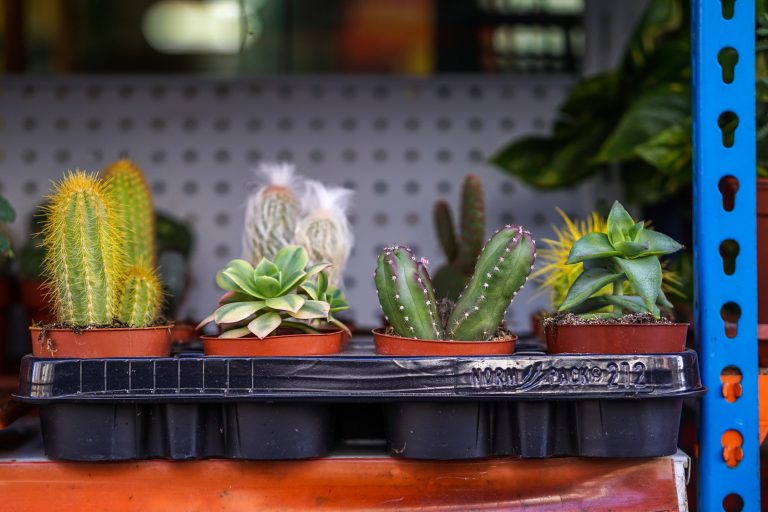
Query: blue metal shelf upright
[[717, 26]]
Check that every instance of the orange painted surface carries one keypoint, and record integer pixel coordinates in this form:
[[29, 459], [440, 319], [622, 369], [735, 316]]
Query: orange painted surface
[[762, 395], [341, 484]]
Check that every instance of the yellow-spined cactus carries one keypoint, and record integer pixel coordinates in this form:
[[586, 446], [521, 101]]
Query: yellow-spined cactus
[[129, 191], [84, 255], [142, 297]]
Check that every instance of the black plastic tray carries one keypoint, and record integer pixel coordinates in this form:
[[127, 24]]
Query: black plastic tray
[[529, 405]]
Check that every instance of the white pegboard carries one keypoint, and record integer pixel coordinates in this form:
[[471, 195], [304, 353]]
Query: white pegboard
[[402, 143]]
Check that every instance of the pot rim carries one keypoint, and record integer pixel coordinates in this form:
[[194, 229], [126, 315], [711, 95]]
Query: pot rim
[[593, 324], [99, 329], [276, 336], [379, 332]]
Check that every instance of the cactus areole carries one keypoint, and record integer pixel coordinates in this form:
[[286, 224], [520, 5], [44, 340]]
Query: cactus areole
[[407, 297]]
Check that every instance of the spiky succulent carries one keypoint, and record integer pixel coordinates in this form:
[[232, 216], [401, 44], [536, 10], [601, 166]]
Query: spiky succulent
[[84, 255], [274, 294], [132, 201], [408, 300], [461, 251], [142, 297], [627, 255]]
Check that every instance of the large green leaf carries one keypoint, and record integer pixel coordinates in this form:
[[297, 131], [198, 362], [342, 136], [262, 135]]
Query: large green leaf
[[312, 309], [266, 287], [589, 282], [288, 283], [226, 283], [237, 332], [631, 249], [661, 17], [263, 325], [291, 259], [7, 213], [658, 243], [525, 158], [644, 275], [291, 302], [646, 117], [265, 268], [237, 311], [316, 269], [310, 287], [245, 283], [592, 95], [591, 246], [670, 150]]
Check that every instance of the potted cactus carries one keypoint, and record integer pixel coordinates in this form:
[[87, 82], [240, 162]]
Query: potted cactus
[[463, 248], [282, 307], [597, 314], [106, 295], [473, 325]]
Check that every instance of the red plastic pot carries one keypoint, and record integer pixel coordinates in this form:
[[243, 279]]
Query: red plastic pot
[[388, 345], [323, 344], [102, 343], [616, 338]]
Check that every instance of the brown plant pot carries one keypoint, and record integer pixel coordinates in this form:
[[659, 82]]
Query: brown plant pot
[[616, 338], [183, 332], [283, 345], [762, 250], [388, 345], [36, 303], [102, 343]]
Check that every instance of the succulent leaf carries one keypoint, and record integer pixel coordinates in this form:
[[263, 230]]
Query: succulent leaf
[[620, 224], [291, 302], [236, 311], [264, 324], [658, 243], [587, 284], [591, 246], [312, 309], [237, 332], [644, 275]]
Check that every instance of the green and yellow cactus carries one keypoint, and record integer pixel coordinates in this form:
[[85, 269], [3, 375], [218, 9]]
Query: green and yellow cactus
[[84, 250], [408, 299], [142, 297], [461, 250], [130, 194]]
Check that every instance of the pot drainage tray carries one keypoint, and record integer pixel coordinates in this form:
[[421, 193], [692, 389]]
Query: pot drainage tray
[[527, 405]]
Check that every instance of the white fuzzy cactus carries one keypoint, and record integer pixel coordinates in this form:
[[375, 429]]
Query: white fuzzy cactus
[[323, 229], [272, 211]]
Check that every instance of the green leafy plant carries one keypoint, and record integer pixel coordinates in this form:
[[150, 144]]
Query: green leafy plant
[[628, 254], [463, 248], [407, 297], [32, 254], [285, 292], [7, 215]]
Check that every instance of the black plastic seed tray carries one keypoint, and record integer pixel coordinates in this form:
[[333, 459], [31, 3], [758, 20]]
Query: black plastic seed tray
[[527, 405]]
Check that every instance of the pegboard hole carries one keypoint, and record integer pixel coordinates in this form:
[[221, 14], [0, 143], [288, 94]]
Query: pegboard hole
[[728, 187], [728, 122], [730, 313], [728, 58], [727, 7], [729, 249], [733, 447], [730, 377], [733, 503]]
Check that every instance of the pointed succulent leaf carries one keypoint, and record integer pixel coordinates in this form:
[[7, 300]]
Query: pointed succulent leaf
[[230, 297], [244, 282], [291, 302], [237, 311], [627, 302], [620, 224], [636, 229], [337, 300], [658, 243], [310, 287], [264, 324], [226, 283], [312, 309], [322, 283], [237, 332], [644, 275], [588, 283], [631, 249], [266, 287], [265, 268], [291, 259], [316, 269], [206, 321], [663, 301], [591, 246], [290, 282]]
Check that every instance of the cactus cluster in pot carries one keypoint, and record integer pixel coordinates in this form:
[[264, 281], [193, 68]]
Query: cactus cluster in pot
[[408, 299]]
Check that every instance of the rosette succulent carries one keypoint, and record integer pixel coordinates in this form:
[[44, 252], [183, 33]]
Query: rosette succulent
[[283, 292], [626, 256]]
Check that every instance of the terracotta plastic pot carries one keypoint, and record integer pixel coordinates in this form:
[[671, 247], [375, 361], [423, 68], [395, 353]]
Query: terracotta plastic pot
[[284, 345], [398, 346], [616, 338], [183, 332], [101, 343]]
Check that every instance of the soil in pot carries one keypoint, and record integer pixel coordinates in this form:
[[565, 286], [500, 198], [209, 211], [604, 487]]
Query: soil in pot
[[283, 345], [93, 343], [389, 344], [632, 334]]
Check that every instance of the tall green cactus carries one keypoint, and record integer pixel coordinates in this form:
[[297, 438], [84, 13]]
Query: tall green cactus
[[406, 295], [84, 255], [129, 192], [462, 250], [142, 297], [502, 270], [271, 213]]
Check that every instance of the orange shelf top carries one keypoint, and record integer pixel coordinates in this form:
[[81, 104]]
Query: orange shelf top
[[343, 484]]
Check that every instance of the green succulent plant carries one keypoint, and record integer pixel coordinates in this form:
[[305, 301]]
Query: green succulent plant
[[627, 254], [283, 292]]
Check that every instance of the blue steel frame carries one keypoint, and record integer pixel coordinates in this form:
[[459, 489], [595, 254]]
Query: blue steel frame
[[711, 32]]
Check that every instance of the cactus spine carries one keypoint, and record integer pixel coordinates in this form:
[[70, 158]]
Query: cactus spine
[[502, 270], [461, 251], [142, 297], [84, 255], [406, 295], [271, 213], [324, 230], [128, 190]]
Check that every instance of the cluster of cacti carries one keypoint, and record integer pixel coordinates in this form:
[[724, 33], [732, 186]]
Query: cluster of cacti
[[87, 245], [462, 249], [130, 194], [408, 299], [284, 210]]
